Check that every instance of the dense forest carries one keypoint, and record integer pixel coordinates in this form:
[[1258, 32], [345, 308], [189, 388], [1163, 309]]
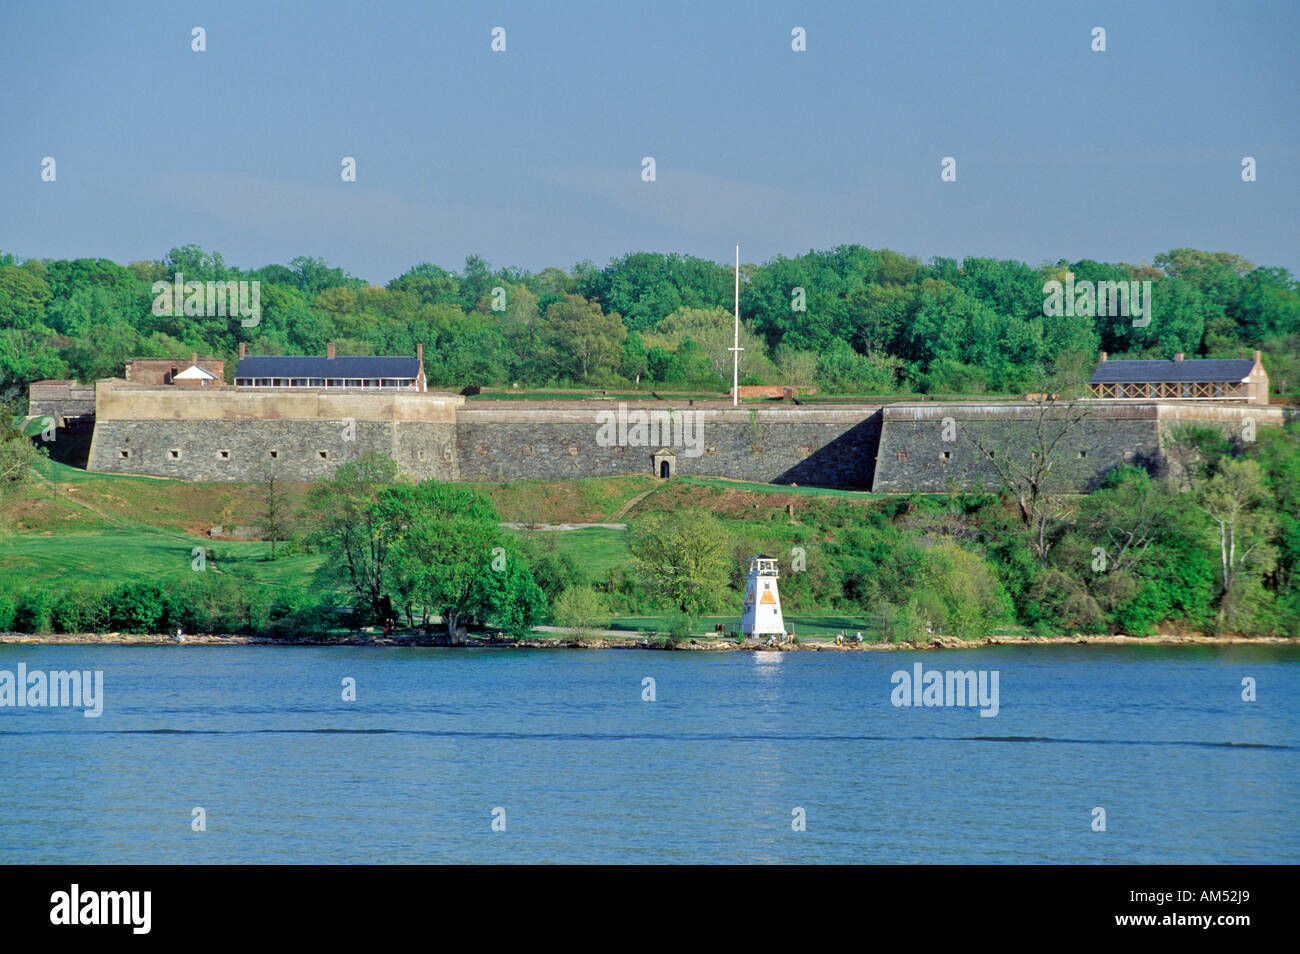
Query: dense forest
[[849, 320]]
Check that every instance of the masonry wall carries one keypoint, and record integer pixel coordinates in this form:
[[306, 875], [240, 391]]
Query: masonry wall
[[1239, 424], [60, 399], [828, 447], [934, 448], [242, 450], [232, 435]]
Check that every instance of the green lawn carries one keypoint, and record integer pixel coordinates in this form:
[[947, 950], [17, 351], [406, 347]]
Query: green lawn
[[595, 549], [775, 488], [64, 474], [113, 555]]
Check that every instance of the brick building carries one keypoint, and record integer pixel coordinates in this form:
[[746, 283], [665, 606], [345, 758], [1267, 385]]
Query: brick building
[[154, 371]]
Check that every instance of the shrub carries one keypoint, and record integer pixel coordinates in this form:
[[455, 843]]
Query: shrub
[[901, 623], [32, 613], [79, 610], [962, 593], [841, 368], [678, 626], [554, 570], [8, 609], [580, 608], [137, 607], [301, 612]]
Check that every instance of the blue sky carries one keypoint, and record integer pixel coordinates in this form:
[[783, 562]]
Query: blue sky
[[532, 157]]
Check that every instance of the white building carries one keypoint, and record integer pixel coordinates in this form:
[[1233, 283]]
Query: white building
[[762, 613], [195, 377]]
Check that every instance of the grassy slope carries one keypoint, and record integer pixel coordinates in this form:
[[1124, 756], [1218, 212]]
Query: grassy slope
[[70, 525]]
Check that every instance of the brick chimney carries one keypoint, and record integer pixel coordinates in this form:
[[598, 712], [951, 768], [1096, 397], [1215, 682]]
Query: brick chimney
[[1256, 355], [194, 357], [1178, 356], [243, 349], [329, 350], [1103, 357], [419, 353]]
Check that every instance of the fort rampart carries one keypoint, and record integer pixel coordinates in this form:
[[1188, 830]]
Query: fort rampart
[[61, 400], [932, 448], [243, 434]]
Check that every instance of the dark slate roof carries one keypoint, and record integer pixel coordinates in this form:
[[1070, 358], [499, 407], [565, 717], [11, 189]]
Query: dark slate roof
[[1159, 372], [316, 366]]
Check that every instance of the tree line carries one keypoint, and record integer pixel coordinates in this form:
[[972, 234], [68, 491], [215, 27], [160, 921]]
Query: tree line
[[848, 319]]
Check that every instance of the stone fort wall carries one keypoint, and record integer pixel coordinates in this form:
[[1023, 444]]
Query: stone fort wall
[[826, 446], [934, 448], [229, 434], [60, 400]]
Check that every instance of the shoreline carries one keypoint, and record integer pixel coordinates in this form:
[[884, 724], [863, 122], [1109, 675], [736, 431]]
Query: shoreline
[[690, 644]]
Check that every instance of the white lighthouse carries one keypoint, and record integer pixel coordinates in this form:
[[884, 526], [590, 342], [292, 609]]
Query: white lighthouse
[[762, 613]]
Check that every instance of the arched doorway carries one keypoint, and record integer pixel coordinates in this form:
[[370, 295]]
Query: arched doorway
[[665, 463]]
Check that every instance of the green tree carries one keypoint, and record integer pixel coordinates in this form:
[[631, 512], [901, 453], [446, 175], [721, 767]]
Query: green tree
[[275, 522], [17, 454], [1237, 501], [684, 558], [23, 297], [965, 594], [509, 597], [647, 287], [842, 369], [448, 551], [26, 356], [635, 358], [585, 338], [712, 331], [356, 533]]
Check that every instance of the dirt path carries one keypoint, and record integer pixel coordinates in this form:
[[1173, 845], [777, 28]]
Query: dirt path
[[564, 526], [622, 511]]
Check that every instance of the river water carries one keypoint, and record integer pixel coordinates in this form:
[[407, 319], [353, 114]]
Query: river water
[[740, 757]]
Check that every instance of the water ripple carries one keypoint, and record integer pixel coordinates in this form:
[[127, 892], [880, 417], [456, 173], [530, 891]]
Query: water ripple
[[668, 737]]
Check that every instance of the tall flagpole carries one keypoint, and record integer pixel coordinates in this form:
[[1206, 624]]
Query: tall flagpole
[[736, 348]]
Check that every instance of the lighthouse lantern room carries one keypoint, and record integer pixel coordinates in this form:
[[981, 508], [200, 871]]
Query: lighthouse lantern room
[[762, 612]]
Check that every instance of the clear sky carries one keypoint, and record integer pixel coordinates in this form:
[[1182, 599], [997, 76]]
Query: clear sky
[[533, 157]]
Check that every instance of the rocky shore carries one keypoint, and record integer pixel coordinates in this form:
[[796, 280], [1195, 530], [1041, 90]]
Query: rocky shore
[[693, 644]]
